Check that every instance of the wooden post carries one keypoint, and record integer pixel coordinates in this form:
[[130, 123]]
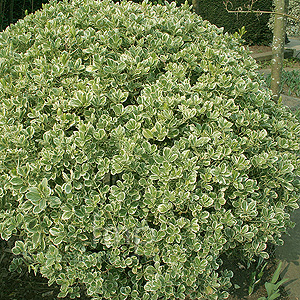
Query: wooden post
[[196, 7], [278, 48]]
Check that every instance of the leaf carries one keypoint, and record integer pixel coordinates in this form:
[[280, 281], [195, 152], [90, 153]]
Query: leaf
[[19, 248], [159, 160], [58, 240], [75, 103], [36, 239], [264, 255], [34, 197], [54, 231], [42, 204], [118, 109], [200, 263], [67, 215], [54, 202], [162, 208], [276, 273], [16, 181], [147, 133], [91, 68], [132, 125], [68, 188], [160, 235], [194, 225], [116, 168], [68, 211]]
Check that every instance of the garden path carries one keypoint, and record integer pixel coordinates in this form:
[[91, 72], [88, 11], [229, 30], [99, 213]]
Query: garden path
[[294, 44]]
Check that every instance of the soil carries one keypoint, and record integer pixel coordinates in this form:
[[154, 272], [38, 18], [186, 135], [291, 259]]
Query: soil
[[23, 285], [242, 278], [260, 49]]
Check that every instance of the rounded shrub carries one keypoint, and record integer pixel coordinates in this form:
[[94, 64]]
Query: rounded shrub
[[138, 148]]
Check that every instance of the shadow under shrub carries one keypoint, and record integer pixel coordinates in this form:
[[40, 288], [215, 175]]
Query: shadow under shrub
[[137, 146]]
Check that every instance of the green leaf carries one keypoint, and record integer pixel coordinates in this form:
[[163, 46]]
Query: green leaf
[[132, 125], [162, 208], [54, 202], [116, 168], [118, 109], [68, 212], [194, 225], [91, 68], [67, 188], [276, 273], [58, 240], [200, 264], [67, 215], [264, 254], [125, 290], [42, 204], [16, 181], [19, 248], [55, 231], [33, 196], [147, 133], [36, 238]]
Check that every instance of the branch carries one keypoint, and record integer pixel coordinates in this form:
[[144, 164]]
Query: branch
[[250, 10]]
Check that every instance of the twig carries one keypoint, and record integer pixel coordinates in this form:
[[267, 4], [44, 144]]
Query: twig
[[250, 10]]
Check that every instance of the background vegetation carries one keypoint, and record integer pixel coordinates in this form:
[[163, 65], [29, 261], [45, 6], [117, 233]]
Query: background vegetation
[[257, 31], [13, 10]]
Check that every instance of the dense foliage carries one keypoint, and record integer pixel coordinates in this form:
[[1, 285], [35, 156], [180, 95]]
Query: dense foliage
[[138, 147], [257, 29]]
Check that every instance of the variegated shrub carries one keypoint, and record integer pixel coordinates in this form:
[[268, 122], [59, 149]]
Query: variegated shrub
[[138, 146]]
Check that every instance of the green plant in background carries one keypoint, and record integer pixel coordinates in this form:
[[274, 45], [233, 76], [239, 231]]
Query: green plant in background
[[256, 275], [273, 286], [290, 82], [137, 148], [287, 62]]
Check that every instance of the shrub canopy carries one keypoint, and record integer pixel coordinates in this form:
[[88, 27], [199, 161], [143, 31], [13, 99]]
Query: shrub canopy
[[138, 146]]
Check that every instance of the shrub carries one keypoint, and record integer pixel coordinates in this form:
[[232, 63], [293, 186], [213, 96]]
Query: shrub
[[138, 147]]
